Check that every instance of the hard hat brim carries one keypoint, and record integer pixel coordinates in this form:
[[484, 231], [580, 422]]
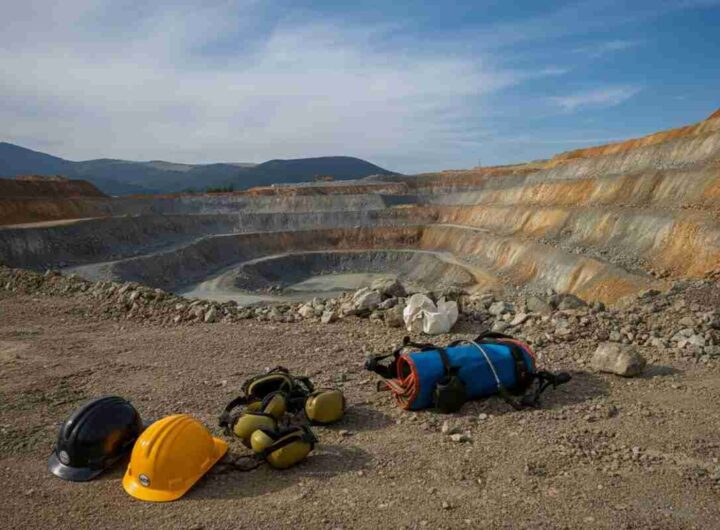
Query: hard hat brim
[[73, 474], [135, 489]]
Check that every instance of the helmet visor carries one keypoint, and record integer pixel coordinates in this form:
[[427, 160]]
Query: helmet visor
[[74, 474]]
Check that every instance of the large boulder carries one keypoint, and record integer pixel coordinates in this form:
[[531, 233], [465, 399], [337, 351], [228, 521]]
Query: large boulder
[[388, 287], [618, 359], [366, 299]]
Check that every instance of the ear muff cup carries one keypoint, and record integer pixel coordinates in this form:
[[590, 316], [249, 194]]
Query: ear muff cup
[[249, 422], [325, 406], [285, 448], [275, 404], [254, 406]]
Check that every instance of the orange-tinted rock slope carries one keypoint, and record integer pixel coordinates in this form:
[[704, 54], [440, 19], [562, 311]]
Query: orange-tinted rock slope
[[32, 198], [602, 222]]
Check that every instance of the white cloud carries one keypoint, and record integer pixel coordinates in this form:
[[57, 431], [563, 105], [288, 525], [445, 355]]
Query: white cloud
[[223, 83], [601, 97], [601, 49]]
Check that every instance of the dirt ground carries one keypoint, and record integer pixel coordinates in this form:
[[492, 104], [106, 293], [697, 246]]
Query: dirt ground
[[602, 452]]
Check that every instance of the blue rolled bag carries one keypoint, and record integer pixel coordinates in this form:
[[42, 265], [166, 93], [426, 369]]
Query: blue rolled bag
[[447, 377]]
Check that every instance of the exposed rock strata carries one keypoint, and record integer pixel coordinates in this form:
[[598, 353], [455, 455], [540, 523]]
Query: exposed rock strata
[[604, 223]]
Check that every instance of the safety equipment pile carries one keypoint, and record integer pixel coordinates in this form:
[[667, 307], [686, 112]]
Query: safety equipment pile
[[173, 453], [264, 415]]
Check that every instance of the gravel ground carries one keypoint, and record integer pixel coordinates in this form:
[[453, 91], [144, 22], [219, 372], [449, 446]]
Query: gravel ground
[[602, 452]]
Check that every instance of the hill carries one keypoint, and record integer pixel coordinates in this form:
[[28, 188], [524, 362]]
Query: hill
[[124, 177]]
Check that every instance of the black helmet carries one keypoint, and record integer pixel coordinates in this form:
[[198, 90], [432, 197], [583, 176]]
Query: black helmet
[[94, 437]]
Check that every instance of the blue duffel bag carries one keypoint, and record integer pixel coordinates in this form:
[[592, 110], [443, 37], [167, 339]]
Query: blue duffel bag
[[491, 364]]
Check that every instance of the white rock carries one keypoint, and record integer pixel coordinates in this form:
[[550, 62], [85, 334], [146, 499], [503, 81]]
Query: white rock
[[306, 311], [211, 315], [328, 317], [520, 318], [365, 299]]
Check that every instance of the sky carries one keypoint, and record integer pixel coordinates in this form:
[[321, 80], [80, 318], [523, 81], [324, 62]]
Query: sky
[[411, 86]]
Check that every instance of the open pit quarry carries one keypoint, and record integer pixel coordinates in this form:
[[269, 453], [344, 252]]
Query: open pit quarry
[[601, 223], [173, 301]]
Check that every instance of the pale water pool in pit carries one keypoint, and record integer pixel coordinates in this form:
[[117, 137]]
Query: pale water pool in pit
[[220, 288]]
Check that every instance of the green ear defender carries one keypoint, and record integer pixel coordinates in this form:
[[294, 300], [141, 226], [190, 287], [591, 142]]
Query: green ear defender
[[249, 422], [325, 406], [284, 448]]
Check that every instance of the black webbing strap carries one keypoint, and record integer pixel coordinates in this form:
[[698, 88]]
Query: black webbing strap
[[278, 371], [305, 382], [447, 366], [544, 381], [306, 435], [523, 375], [373, 362], [225, 417], [233, 464]]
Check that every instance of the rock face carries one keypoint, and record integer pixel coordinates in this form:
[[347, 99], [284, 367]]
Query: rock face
[[593, 225], [618, 359], [33, 198]]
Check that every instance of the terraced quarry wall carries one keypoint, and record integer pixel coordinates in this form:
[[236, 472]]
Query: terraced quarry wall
[[603, 223]]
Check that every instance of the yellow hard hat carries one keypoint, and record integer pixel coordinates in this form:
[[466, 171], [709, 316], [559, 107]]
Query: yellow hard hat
[[169, 457], [325, 406]]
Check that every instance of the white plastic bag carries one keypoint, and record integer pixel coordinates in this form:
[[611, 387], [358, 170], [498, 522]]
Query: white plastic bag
[[422, 315]]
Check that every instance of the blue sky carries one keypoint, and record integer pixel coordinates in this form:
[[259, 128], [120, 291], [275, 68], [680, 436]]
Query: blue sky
[[411, 86]]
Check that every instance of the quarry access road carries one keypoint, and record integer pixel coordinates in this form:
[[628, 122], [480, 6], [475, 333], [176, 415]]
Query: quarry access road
[[602, 452]]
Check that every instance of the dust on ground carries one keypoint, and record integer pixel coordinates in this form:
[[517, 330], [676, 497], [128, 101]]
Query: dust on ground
[[602, 452]]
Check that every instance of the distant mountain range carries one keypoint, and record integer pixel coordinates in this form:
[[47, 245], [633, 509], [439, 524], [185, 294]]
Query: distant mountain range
[[124, 177]]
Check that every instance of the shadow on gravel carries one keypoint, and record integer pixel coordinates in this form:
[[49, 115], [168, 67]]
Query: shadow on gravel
[[363, 418], [117, 471], [659, 370], [327, 460], [584, 386]]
